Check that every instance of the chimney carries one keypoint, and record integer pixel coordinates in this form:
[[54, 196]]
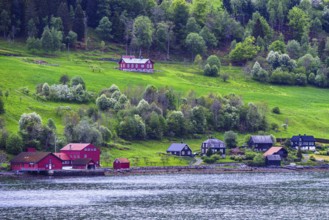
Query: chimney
[[31, 149], [70, 146]]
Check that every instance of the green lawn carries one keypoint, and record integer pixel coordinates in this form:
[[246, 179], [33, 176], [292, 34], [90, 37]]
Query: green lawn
[[305, 108]]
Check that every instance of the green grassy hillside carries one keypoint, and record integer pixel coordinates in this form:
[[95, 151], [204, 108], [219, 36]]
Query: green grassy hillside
[[305, 108]]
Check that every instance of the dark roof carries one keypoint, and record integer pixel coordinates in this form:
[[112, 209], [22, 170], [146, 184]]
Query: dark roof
[[82, 161], [30, 157], [273, 157], [122, 160], [177, 147], [214, 143], [307, 138], [262, 139]]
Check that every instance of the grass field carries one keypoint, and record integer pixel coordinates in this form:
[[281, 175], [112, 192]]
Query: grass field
[[305, 108]]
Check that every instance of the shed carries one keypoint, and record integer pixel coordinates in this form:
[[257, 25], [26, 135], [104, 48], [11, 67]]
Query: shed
[[260, 142], [276, 151], [179, 149], [36, 161], [121, 163], [84, 164], [273, 160]]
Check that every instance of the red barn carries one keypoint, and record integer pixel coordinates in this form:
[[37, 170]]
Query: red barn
[[82, 150], [132, 64], [121, 163], [83, 163], [36, 161]]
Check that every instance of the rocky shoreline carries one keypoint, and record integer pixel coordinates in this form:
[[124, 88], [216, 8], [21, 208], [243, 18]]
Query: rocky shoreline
[[209, 169]]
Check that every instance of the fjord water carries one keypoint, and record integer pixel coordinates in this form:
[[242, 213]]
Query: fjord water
[[221, 196]]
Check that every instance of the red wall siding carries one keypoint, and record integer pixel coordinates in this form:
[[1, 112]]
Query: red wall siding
[[56, 164], [119, 165]]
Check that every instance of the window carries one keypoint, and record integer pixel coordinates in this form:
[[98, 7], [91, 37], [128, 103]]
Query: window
[[188, 152], [183, 152], [143, 66], [128, 65], [85, 155]]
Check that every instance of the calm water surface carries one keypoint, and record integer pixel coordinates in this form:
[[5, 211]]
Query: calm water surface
[[220, 196]]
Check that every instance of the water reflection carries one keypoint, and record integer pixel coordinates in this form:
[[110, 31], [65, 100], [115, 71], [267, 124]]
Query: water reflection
[[223, 196]]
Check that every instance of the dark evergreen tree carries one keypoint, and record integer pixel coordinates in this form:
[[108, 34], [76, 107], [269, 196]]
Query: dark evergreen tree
[[91, 13], [103, 9], [30, 14], [64, 14], [79, 23]]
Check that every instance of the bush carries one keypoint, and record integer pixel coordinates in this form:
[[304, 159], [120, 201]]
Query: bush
[[276, 110], [14, 144], [209, 160], [2, 108], [312, 158], [282, 78]]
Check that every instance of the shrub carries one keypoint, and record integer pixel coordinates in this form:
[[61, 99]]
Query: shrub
[[276, 110], [312, 158], [209, 160], [282, 78]]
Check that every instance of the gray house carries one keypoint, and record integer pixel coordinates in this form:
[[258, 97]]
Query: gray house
[[180, 149], [260, 142], [214, 145]]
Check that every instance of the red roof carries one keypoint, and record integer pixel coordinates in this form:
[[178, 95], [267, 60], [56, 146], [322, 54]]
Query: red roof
[[75, 146], [62, 156], [272, 151], [122, 160]]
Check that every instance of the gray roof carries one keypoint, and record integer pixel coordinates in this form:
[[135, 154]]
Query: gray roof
[[214, 143], [177, 147], [274, 157], [135, 60], [262, 139]]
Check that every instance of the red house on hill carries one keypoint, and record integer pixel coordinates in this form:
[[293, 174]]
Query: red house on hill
[[133, 64], [121, 163], [36, 161], [82, 150]]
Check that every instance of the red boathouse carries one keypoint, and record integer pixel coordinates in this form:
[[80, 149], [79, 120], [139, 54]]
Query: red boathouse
[[84, 164], [121, 163], [36, 161], [133, 64], [76, 151]]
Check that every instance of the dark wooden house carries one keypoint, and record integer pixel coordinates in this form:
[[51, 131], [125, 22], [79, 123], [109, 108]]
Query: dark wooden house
[[84, 164], [36, 161], [121, 163], [180, 149], [277, 151], [273, 160], [305, 142], [214, 145], [260, 142], [133, 64]]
